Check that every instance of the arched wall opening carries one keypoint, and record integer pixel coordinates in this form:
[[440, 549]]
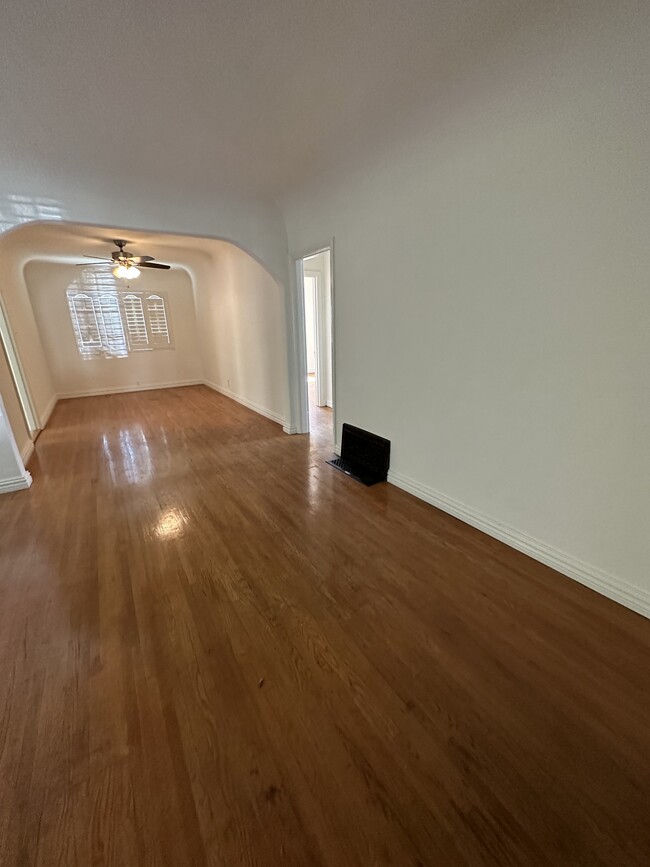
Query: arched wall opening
[[227, 319]]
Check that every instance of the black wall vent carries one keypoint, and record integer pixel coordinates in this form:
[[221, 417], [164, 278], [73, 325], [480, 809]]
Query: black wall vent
[[364, 455]]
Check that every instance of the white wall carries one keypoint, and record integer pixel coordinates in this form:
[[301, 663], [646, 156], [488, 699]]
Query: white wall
[[493, 303], [72, 375], [20, 317], [240, 312]]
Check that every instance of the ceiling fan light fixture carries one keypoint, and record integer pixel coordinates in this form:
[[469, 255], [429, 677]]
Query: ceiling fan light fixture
[[126, 272]]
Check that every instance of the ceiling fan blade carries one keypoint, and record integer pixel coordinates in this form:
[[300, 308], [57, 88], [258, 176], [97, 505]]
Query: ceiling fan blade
[[140, 260], [154, 265], [106, 264], [101, 258]]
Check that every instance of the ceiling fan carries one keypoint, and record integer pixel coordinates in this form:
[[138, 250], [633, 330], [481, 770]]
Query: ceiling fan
[[126, 265]]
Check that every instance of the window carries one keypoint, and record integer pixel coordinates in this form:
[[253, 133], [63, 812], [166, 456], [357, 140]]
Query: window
[[157, 317], [136, 327], [109, 322], [84, 321]]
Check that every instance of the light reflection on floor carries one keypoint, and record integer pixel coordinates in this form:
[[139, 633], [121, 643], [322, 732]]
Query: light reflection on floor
[[129, 459], [321, 435], [171, 524], [320, 418]]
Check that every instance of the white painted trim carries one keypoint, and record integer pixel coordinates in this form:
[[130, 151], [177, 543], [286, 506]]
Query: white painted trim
[[45, 417], [289, 430], [302, 422], [291, 329], [602, 582], [94, 392], [23, 479], [274, 416], [333, 362], [318, 334], [7, 339], [27, 452], [314, 250], [19, 483], [296, 354]]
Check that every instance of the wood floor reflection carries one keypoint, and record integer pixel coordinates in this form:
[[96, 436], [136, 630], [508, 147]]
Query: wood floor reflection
[[216, 650]]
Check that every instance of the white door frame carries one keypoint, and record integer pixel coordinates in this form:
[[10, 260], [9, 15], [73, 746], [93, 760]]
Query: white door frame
[[321, 396], [297, 352], [8, 344]]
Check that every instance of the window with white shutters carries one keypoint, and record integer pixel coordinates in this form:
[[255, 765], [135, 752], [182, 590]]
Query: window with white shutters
[[136, 327], [111, 323], [157, 318], [84, 322]]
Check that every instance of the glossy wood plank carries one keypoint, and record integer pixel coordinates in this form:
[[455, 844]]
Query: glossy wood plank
[[217, 650]]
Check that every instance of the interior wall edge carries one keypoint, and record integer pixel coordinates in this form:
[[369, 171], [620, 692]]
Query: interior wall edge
[[273, 416], [23, 444], [49, 409], [629, 595], [27, 451]]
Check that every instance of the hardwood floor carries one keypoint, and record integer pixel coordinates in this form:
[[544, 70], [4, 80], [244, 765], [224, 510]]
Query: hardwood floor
[[216, 650], [320, 419]]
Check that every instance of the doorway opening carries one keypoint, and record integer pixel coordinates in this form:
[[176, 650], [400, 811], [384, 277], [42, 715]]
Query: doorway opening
[[318, 325], [8, 347]]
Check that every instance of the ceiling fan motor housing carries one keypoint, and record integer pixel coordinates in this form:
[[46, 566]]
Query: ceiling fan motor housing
[[121, 253]]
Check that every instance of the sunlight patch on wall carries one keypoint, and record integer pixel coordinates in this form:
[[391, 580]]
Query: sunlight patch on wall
[[16, 209]]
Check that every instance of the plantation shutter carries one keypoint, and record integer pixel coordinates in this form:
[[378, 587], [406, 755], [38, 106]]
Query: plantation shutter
[[111, 319], [110, 323], [136, 326], [158, 327], [84, 322]]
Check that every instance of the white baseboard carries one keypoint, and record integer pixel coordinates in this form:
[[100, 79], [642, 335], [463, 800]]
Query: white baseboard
[[27, 452], [45, 417], [95, 392], [290, 430], [608, 585], [19, 483], [247, 403]]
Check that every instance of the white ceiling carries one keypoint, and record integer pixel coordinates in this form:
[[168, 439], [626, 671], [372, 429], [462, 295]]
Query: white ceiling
[[251, 95]]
